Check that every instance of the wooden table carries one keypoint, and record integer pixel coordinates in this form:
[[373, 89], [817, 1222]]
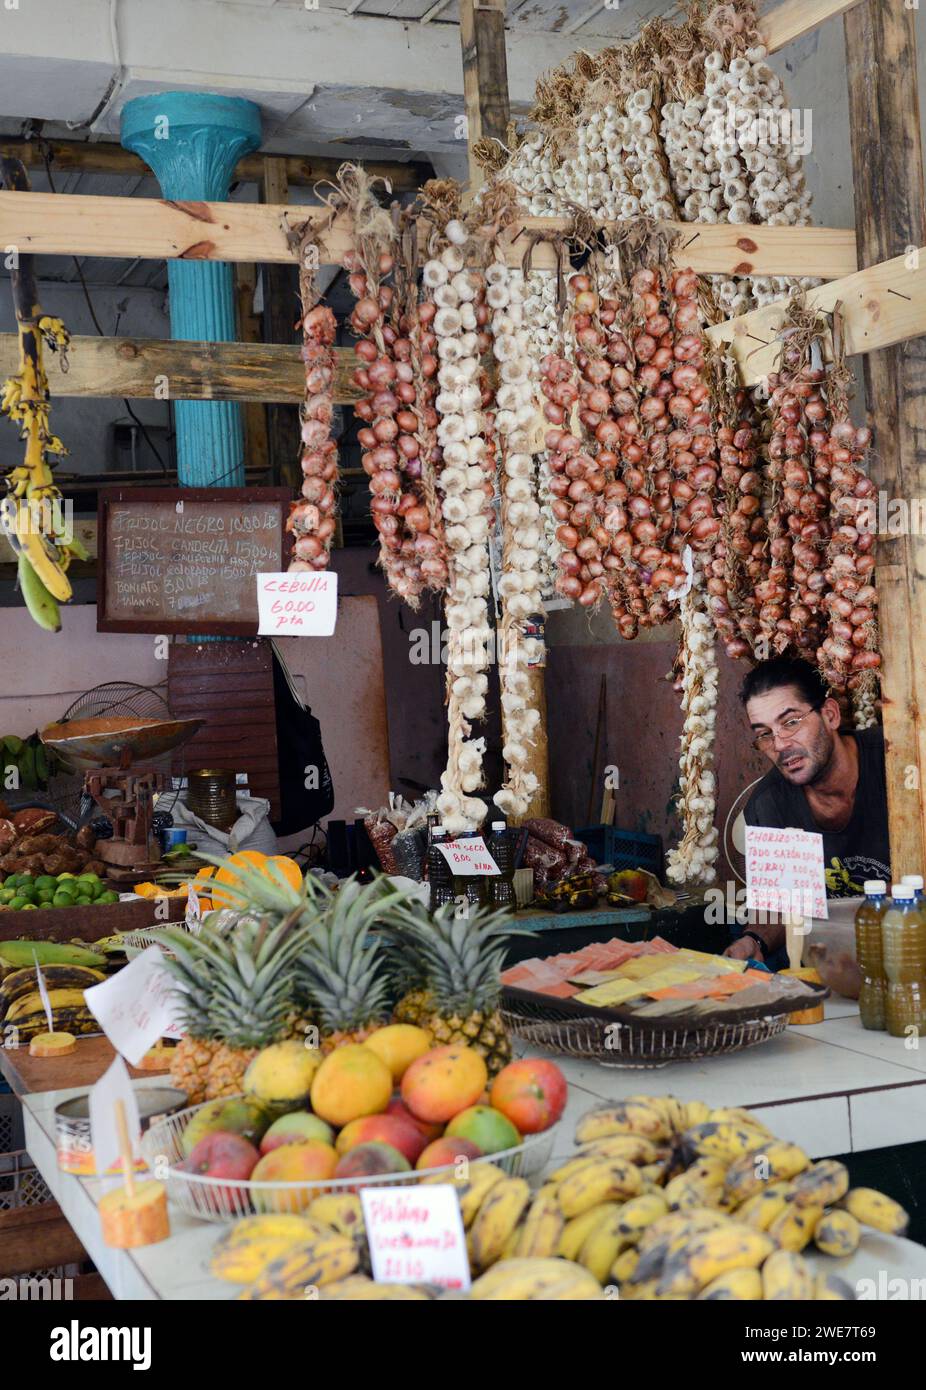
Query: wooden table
[[83, 1067]]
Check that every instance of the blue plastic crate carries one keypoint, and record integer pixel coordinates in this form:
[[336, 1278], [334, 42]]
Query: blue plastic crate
[[624, 849]]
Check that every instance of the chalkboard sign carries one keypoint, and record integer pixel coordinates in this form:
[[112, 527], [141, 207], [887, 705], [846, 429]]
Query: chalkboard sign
[[183, 560]]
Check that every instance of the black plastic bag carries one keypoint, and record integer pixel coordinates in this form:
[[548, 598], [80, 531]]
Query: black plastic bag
[[306, 788]]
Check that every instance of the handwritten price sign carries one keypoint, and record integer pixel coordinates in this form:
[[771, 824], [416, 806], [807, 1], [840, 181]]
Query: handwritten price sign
[[297, 605], [416, 1236], [784, 872], [467, 857], [136, 1006]]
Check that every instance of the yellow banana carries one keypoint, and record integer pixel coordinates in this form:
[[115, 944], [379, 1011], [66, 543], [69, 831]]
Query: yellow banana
[[244, 1261], [695, 1113], [830, 1287], [722, 1139], [497, 1217], [669, 1234], [763, 1207], [740, 1284], [794, 1227], [736, 1115], [608, 1178], [343, 1212], [640, 1213], [821, 1184], [786, 1275], [770, 1162], [473, 1189], [701, 1185], [705, 1256], [39, 551], [670, 1108], [625, 1264], [875, 1209], [576, 1230], [572, 1166], [623, 1117], [541, 1228], [633, 1147], [837, 1233], [28, 1004], [538, 1279], [602, 1246], [323, 1260]]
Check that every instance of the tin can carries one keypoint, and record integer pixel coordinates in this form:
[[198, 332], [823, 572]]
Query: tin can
[[72, 1127], [173, 835]]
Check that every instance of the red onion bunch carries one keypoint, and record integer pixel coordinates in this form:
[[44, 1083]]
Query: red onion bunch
[[311, 518], [849, 653], [576, 481], [739, 561]]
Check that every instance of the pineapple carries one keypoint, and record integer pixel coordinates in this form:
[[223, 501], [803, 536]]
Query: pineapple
[[459, 961], [238, 985], [341, 980]]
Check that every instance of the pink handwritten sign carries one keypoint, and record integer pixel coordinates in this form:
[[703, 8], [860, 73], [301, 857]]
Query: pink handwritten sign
[[416, 1236], [784, 872]]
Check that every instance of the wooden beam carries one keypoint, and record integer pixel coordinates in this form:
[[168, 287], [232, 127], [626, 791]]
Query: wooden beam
[[880, 306], [143, 368], [281, 312], [796, 17], [485, 76], [61, 224], [101, 157], [887, 161], [727, 249]]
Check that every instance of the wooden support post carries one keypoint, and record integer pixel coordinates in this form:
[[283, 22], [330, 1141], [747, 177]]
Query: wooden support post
[[281, 311], [254, 414], [485, 76], [887, 159]]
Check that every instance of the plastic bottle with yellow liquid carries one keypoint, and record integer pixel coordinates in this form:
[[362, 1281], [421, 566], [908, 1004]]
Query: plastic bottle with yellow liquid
[[903, 943], [868, 952]]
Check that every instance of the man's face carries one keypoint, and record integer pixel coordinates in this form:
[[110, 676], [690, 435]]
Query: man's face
[[803, 740]]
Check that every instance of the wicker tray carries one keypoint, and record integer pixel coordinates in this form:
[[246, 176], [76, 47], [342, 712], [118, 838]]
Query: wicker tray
[[615, 1037], [223, 1199]]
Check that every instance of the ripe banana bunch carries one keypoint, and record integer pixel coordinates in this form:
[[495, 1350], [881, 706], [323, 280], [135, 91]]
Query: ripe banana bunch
[[359, 1288], [323, 1258], [536, 1280], [245, 1251]]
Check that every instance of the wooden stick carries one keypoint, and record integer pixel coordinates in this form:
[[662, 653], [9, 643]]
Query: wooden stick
[[125, 1149], [147, 368], [59, 224], [796, 17], [880, 306]]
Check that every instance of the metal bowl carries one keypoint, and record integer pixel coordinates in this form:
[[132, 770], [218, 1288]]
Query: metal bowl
[[87, 743]]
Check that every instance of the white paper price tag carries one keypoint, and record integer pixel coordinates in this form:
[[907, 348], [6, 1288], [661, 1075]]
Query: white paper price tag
[[416, 1235], [115, 1084], [784, 872], [302, 604], [137, 1005], [468, 857]]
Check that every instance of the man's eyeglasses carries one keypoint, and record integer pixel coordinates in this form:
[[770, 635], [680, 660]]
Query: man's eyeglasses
[[763, 742]]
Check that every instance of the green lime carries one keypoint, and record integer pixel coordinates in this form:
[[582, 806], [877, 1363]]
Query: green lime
[[7, 895], [63, 900], [83, 898], [46, 881], [11, 881], [62, 877], [17, 904], [45, 895], [28, 907], [87, 880], [108, 896], [28, 893]]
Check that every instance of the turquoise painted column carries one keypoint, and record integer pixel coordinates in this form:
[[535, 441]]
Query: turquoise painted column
[[192, 142]]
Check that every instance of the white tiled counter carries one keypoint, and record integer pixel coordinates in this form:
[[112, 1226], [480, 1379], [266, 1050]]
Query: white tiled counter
[[833, 1088]]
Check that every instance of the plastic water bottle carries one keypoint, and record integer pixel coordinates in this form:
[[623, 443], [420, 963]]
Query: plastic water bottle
[[501, 885], [868, 951]]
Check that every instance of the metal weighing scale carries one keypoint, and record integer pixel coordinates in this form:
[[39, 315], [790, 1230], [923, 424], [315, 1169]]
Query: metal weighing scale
[[113, 753]]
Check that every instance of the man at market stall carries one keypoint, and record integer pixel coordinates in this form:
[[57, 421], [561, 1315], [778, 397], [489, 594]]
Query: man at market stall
[[823, 779]]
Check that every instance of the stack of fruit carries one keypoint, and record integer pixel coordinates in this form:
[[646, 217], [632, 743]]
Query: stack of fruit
[[26, 763], [22, 892], [308, 963], [663, 1201], [68, 971], [390, 1105]]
